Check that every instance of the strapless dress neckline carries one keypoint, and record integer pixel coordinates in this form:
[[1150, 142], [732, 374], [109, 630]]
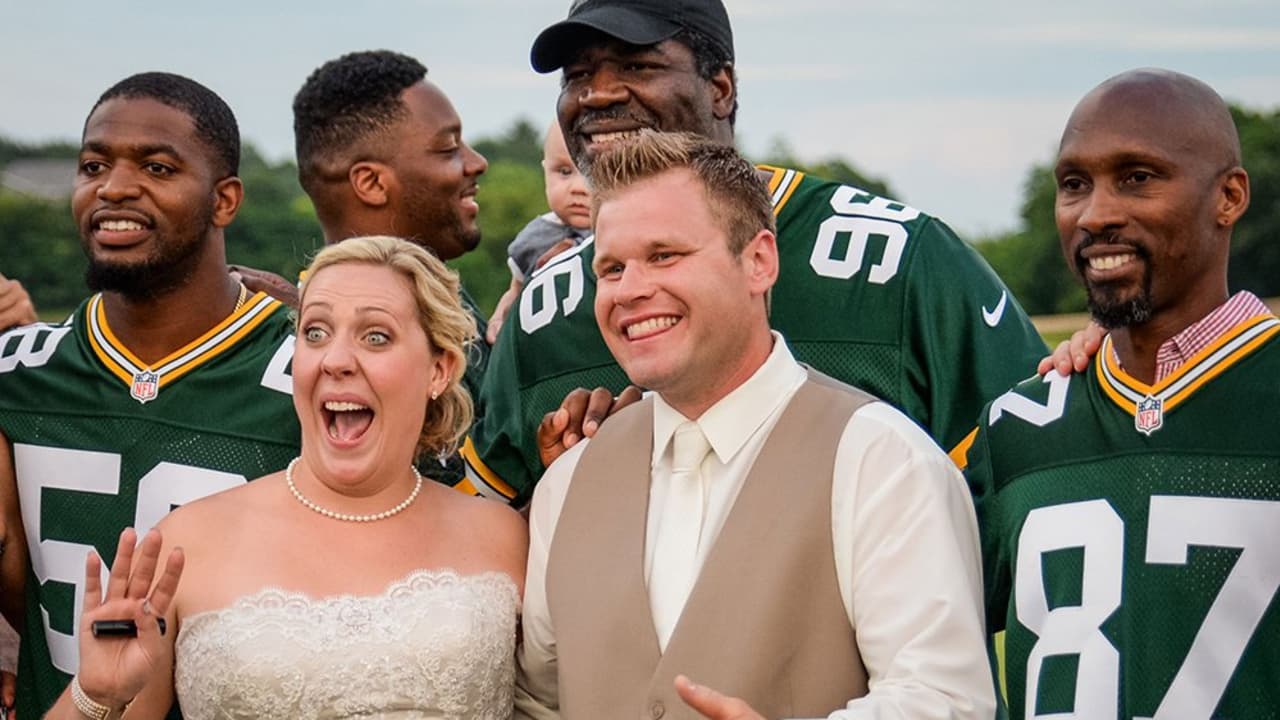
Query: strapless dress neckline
[[434, 644]]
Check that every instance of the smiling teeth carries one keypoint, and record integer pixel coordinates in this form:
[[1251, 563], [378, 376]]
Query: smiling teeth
[[335, 406], [120, 225], [650, 326], [612, 136], [1109, 262]]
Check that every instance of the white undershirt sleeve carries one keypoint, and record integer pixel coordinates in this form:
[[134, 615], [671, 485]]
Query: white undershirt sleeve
[[908, 562]]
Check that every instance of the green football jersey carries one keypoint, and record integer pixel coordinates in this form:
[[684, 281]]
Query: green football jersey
[[451, 469], [101, 442], [872, 292], [477, 351], [1131, 536]]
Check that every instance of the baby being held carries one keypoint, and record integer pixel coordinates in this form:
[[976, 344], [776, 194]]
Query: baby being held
[[565, 226]]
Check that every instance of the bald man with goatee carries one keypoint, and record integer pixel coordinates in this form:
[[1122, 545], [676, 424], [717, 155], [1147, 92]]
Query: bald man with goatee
[[1130, 515]]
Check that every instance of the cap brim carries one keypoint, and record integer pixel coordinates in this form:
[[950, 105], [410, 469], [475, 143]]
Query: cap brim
[[556, 45]]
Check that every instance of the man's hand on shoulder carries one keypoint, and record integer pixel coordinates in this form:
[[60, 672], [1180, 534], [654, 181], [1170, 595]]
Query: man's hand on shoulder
[[8, 693], [16, 307], [579, 416], [547, 255], [714, 705], [1074, 355], [267, 282], [8, 667], [499, 316]]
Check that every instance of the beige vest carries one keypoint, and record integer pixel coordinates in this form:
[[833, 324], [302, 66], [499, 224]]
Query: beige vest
[[764, 621]]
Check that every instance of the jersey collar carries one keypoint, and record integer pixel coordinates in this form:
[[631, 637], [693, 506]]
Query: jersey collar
[[1234, 345], [145, 381]]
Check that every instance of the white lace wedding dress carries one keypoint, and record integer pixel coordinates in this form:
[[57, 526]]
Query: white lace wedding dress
[[433, 645]]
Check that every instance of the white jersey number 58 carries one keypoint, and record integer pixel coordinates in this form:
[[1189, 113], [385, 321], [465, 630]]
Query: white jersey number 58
[[40, 469]]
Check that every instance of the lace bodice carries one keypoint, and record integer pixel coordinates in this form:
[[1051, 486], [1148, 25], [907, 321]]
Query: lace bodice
[[433, 645]]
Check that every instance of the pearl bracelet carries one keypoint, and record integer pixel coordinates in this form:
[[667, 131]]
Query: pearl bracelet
[[89, 707]]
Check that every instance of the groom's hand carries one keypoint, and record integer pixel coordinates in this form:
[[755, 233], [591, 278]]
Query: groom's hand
[[711, 704]]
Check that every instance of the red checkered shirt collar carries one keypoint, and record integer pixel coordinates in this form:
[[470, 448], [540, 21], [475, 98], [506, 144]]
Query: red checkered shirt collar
[[1177, 350], [1180, 348]]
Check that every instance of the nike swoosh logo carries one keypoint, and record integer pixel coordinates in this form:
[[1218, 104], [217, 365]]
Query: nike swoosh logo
[[992, 317]]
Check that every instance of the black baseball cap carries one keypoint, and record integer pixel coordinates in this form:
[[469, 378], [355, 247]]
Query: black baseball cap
[[637, 22]]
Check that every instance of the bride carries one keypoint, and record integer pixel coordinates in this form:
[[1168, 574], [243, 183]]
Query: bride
[[344, 586]]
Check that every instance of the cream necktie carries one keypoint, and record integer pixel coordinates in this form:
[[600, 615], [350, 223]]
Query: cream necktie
[[672, 573]]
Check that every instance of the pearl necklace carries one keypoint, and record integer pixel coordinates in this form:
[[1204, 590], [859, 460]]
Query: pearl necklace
[[349, 517]]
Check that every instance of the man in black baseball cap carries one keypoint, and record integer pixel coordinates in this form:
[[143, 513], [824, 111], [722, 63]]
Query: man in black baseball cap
[[666, 65], [637, 22]]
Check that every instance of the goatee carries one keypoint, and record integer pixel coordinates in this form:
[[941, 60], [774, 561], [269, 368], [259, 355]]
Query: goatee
[[1111, 313], [1108, 303]]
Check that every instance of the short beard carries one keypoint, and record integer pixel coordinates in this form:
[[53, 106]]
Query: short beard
[[469, 239], [146, 280], [166, 270], [466, 239], [449, 240]]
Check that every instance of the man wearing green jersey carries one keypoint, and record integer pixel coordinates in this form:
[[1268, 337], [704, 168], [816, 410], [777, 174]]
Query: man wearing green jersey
[[1130, 515], [872, 292], [169, 383]]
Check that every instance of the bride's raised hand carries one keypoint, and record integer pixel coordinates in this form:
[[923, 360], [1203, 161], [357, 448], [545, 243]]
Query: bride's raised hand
[[114, 668]]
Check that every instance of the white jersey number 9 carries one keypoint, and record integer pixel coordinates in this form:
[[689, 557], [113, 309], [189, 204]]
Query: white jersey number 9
[[861, 215]]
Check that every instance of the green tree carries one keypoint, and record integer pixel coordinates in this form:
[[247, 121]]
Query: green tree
[[511, 194], [39, 245], [1255, 250], [521, 144], [10, 150], [276, 228], [1030, 260]]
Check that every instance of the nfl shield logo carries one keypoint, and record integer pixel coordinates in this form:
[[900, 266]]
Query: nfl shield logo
[[145, 386], [1150, 415]]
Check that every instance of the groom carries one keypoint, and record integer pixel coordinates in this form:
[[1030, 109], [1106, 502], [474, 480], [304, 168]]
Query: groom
[[785, 539]]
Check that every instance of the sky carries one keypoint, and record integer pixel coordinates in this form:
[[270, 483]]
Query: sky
[[950, 102]]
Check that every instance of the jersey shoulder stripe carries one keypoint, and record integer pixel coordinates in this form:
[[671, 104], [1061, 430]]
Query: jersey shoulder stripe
[[782, 184], [480, 479]]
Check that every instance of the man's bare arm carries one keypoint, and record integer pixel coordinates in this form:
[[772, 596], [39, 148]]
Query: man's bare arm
[[16, 307], [13, 553]]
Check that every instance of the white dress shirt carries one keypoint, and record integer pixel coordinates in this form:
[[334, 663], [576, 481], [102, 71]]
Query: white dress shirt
[[905, 544]]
